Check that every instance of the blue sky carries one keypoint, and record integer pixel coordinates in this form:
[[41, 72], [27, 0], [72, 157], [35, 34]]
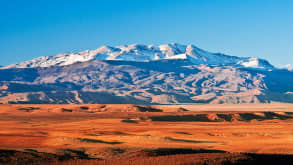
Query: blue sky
[[33, 28]]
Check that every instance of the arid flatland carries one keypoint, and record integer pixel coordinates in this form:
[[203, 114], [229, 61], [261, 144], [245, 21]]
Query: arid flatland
[[108, 133]]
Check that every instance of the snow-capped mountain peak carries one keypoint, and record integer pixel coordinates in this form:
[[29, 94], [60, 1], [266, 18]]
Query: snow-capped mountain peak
[[140, 52], [288, 67]]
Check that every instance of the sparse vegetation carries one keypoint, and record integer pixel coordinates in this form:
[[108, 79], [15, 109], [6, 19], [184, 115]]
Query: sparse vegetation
[[28, 109], [66, 110], [225, 117], [182, 109], [97, 141], [117, 151], [84, 108], [181, 118], [187, 141], [148, 109], [129, 121], [184, 133]]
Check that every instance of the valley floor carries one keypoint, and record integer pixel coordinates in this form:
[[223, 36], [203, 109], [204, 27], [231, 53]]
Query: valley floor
[[134, 134]]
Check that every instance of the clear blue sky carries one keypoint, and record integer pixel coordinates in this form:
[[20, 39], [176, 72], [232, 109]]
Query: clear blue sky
[[33, 28]]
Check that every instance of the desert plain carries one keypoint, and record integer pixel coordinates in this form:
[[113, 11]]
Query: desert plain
[[140, 134]]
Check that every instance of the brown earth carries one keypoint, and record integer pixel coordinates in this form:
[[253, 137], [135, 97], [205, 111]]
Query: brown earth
[[136, 134]]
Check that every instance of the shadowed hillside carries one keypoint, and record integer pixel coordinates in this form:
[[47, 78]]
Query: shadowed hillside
[[154, 82]]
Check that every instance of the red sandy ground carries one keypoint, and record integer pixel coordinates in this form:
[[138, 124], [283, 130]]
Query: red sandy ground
[[126, 132]]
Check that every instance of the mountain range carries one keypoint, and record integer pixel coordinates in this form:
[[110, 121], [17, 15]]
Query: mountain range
[[145, 74]]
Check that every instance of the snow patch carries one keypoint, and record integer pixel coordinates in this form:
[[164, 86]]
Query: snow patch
[[139, 52]]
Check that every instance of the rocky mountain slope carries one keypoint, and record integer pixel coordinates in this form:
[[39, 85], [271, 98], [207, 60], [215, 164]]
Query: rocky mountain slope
[[137, 74]]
